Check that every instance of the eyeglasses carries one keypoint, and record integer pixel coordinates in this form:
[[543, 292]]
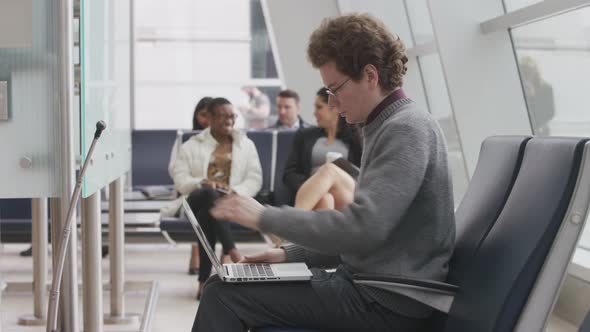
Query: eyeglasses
[[229, 116], [334, 92]]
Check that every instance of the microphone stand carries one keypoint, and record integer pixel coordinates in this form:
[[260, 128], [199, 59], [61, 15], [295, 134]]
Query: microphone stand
[[57, 274]]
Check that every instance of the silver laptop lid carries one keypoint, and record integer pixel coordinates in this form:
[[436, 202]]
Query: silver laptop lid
[[205, 244]]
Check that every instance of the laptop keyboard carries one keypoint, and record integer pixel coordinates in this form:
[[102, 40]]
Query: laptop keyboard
[[252, 270]]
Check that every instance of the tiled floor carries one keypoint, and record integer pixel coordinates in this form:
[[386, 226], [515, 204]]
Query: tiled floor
[[168, 265], [176, 306]]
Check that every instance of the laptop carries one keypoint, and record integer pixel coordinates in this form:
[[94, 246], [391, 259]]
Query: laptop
[[248, 272]]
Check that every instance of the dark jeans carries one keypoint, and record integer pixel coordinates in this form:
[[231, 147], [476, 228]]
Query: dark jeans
[[330, 302], [201, 201]]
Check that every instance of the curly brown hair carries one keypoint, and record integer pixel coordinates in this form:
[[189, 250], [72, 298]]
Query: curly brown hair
[[354, 41]]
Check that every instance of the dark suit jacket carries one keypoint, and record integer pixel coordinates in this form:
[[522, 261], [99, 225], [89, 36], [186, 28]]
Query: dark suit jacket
[[298, 167], [302, 124]]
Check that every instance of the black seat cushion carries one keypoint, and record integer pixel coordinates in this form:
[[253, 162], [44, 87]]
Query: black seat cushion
[[496, 285], [150, 155], [585, 327], [263, 142], [497, 166], [281, 194]]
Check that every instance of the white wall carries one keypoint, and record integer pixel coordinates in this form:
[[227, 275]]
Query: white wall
[[291, 23], [187, 49]]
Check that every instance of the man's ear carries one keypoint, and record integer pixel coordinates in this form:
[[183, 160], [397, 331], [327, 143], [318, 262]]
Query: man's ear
[[372, 75]]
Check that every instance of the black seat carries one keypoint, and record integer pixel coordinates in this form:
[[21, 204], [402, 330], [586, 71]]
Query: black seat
[[585, 327], [281, 194], [150, 152], [496, 285], [15, 220], [264, 145], [498, 164]]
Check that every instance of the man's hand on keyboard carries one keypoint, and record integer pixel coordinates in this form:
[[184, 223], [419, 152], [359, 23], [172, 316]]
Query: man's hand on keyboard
[[270, 256]]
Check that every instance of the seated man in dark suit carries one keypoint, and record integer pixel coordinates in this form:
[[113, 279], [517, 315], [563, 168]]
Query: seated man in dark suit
[[288, 109]]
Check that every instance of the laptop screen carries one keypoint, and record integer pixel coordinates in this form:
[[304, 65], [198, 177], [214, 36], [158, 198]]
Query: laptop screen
[[204, 243]]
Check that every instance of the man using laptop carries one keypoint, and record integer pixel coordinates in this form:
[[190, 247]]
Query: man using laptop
[[400, 223]]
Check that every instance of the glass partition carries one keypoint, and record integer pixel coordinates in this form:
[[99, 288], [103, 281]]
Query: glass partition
[[30, 127], [554, 61], [207, 52], [105, 89], [441, 109]]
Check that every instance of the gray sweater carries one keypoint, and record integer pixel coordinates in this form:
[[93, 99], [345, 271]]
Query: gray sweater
[[401, 222]]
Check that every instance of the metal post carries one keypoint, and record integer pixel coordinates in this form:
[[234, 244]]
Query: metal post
[[69, 286], [116, 245], [39, 243], [40, 256], [117, 255], [91, 264], [55, 207]]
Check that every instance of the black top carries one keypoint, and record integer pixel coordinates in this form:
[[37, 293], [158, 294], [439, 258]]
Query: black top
[[298, 167]]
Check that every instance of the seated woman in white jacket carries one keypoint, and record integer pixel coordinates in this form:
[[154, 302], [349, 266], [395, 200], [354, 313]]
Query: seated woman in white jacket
[[206, 162]]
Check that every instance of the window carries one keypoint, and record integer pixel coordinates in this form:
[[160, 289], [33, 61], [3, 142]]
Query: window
[[435, 89], [554, 61], [189, 49], [263, 63]]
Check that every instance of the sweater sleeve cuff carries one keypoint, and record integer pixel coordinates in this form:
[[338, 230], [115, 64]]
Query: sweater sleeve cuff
[[294, 253]]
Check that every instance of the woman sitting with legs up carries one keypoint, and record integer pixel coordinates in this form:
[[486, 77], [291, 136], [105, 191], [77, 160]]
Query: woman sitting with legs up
[[205, 166], [318, 183]]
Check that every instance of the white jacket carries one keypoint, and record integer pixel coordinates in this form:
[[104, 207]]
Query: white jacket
[[190, 167]]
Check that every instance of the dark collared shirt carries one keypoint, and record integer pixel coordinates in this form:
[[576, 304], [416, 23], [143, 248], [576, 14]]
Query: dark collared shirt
[[392, 98]]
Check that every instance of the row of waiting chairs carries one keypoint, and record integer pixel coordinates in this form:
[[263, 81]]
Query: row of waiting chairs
[[150, 157]]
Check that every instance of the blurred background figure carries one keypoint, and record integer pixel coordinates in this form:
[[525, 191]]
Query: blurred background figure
[[539, 96], [255, 108], [288, 110]]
